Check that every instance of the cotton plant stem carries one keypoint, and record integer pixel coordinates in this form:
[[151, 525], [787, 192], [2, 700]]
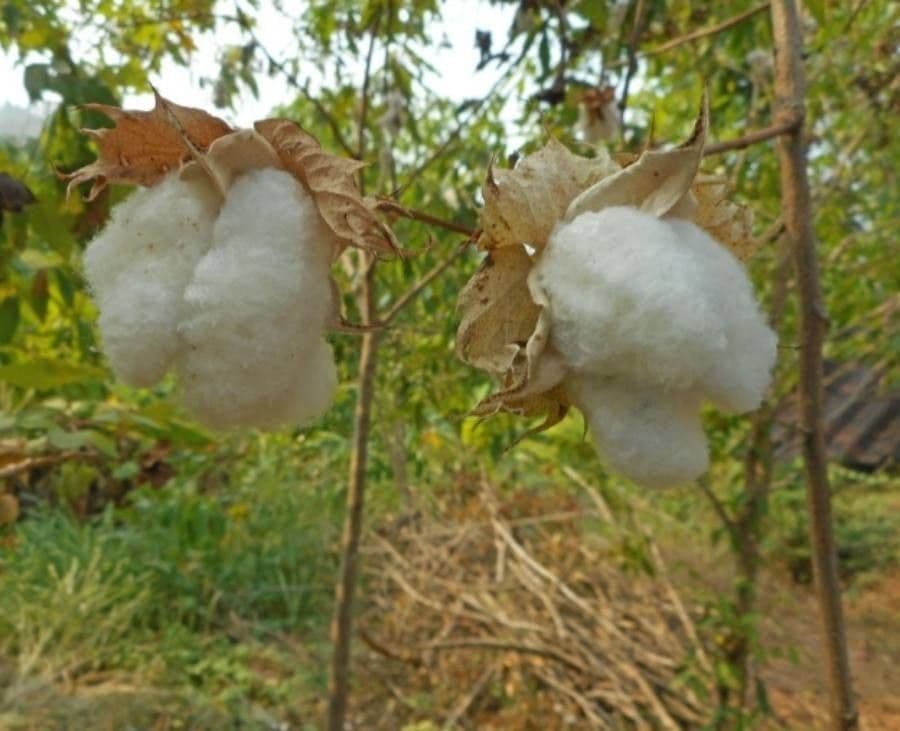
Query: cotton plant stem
[[345, 588], [342, 620], [790, 90]]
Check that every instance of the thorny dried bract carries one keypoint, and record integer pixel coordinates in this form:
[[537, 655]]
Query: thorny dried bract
[[514, 312]]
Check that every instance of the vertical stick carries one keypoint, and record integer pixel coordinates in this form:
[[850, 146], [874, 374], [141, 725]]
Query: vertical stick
[[790, 90], [342, 621], [345, 589]]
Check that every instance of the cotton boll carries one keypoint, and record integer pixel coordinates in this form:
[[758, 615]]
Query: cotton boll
[[138, 268], [169, 224], [651, 435], [257, 308], [736, 380], [628, 299]]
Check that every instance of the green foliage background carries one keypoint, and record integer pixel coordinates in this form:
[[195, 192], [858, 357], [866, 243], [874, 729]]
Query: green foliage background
[[184, 581]]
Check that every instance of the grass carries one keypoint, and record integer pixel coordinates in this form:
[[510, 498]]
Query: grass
[[188, 607]]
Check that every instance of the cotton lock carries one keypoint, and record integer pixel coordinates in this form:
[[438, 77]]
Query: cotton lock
[[653, 317], [236, 300]]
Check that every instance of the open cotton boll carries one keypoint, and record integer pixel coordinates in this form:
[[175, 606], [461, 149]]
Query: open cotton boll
[[257, 308], [138, 268], [649, 434], [627, 298], [737, 379]]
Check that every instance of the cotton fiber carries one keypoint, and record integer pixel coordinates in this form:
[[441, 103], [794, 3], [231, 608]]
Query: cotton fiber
[[256, 310], [649, 434], [138, 268], [652, 318]]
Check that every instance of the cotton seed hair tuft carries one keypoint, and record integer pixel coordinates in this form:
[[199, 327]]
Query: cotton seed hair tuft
[[257, 308], [237, 300], [652, 317], [138, 268]]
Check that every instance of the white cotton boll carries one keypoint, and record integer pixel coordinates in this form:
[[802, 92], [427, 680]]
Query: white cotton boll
[[138, 268], [647, 434], [737, 378], [628, 299], [656, 301], [257, 308]]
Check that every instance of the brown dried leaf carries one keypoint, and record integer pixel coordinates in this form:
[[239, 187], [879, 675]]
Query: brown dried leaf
[[727, 222], [333, 184], [534, 389], [523, 205], [498, 312], [143, 146], [230, 156], [656, 183]]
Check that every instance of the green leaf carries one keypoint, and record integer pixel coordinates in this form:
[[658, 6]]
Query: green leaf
[[46, 373], [9, 318], [34, 259], [544, 54]]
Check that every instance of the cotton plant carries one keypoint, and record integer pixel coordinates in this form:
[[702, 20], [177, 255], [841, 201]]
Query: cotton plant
[[218, 268], [617, 286]]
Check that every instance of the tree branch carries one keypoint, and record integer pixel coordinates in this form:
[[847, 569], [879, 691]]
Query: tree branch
[[753, 138], [790, 91], [427, 279], [345, 588], [637, 29], [390, 206], [704, 32], [304, 89]]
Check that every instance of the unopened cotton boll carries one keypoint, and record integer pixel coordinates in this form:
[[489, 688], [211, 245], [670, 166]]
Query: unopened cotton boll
[[138, 268], [256, 310], [647, 434]]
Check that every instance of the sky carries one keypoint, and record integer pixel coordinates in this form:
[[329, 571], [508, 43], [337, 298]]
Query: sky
[[457, 78]]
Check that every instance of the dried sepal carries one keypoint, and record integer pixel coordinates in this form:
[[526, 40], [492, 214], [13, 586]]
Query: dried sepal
[[498, 311], [523, 205], [230, 156], [656, 183], [531, 390], [143, 146], [332, 182], [729, 223]]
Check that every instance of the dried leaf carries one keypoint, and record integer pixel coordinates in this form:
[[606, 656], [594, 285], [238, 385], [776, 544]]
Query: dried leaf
[[143, 146], [541, 393], [230, 156], [655, 183], [498, 312], [523, 205], [333, 184], [728, 223]]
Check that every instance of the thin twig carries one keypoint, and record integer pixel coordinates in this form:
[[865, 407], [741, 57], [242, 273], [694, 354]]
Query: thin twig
[[524, 648], [426, 279], [752, 138], [292, 79], [364, 102], [704, 32], [390, 206], [455, 133], [637, 29]]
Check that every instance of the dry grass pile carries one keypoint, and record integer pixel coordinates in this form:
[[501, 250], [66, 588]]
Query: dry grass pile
[[508, 613]]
